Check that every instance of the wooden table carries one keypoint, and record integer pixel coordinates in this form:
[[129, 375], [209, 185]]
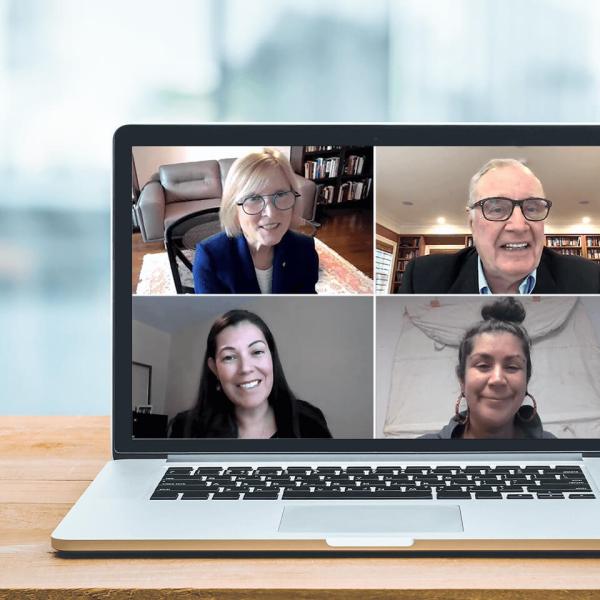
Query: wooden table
[[47, 462]]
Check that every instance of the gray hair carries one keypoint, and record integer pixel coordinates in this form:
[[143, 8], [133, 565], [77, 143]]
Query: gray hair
[[494, 163]]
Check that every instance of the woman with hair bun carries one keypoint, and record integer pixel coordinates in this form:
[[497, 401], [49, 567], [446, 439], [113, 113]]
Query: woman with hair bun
[[494, 368]]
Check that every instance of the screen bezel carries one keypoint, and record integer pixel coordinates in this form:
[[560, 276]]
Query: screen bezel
[[128, 136]]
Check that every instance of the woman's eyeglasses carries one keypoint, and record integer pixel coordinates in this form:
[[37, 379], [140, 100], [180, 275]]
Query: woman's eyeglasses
[[501, 209], [255, 204]]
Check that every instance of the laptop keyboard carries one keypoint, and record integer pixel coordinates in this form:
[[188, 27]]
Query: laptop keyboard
[[377, 483]]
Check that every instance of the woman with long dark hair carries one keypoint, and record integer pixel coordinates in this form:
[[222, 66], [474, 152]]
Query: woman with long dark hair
[[243, 390]]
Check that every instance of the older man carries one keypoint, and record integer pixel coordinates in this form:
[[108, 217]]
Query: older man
[[507, 208]]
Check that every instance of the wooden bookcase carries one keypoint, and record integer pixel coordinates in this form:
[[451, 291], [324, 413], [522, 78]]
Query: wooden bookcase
[[409, 247], [578, 244], [592, 247], [343, 174], [565, 244]]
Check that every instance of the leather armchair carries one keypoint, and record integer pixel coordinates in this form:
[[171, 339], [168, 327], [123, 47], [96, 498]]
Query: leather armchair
[[184, 188]]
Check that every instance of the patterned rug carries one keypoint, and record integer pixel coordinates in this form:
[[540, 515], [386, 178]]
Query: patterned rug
[[336, 275]]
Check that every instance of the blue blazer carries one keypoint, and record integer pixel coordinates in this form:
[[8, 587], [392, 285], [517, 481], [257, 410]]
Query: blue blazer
[[223, 265]]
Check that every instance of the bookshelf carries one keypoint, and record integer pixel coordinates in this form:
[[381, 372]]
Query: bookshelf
[[592, 247], [409, 247], [586, 245], [343, 174], [565, 244]]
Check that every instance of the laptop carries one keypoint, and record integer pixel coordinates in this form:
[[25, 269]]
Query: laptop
[[367, 470]]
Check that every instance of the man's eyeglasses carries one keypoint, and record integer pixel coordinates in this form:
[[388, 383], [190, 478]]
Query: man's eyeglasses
[[501, 209], [255, 204]]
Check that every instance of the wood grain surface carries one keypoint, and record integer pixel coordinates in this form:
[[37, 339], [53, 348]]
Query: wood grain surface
[[46, 462]]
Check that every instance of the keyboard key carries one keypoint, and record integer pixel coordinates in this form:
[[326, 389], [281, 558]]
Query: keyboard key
[[195, 496], [486, 495], [208, 470], [453, 495], [262, 495], [582, 496], [398, 495], [560, 487], [164, 496], [519, 496], [226, 495]]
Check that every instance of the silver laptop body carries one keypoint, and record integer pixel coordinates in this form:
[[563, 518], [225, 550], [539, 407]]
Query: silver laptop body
[[116, 512]]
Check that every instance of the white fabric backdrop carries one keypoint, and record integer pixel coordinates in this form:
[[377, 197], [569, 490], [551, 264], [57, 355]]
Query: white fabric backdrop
[[565, 358]]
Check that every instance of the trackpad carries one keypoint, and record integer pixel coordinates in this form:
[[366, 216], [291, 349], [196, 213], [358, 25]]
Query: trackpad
[[323, 518]]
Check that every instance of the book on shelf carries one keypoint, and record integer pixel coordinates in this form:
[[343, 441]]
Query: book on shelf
[[325, 193], [321, 168], [351, 191], [570, 251], [321, 148], [593, 240], [557, 240], [354, 165]]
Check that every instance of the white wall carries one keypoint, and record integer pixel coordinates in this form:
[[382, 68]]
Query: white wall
[[185, 367], [325, 346], [148, 158], [389, 314], [151, 347]]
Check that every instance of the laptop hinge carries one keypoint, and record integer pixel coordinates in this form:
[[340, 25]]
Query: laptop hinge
[[377, 457]]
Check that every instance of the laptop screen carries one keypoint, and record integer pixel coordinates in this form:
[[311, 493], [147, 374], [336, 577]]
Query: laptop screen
[[277, 303]]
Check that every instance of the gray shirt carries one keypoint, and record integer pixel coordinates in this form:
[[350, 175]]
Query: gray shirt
[[528, 429]]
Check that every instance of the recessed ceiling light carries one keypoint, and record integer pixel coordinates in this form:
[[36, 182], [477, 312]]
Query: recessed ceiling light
[[585, 220], [407, 203], [441, 220]]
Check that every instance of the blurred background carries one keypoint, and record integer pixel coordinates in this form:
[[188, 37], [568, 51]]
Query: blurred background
[[71, 72]]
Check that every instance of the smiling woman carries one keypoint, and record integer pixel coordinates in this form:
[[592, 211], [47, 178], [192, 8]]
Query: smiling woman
[[257, 253], [243, 390], [494, 368]]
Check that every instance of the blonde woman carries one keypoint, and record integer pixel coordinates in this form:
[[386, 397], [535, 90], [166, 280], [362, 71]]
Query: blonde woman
[[257, 253]]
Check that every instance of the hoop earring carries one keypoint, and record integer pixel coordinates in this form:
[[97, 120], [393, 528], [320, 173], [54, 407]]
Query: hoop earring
[[533, 411], [458, 417]]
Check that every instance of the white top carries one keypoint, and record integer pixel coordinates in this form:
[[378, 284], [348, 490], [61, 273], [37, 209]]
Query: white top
[[265, 279]]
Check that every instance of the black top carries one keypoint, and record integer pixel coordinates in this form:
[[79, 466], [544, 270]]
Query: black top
[[311, 423], [457, 274]]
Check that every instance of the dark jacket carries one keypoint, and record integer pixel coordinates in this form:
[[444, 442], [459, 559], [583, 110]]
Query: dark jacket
[[528, 429], [223, 265], [457, 274], [311, 423]]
